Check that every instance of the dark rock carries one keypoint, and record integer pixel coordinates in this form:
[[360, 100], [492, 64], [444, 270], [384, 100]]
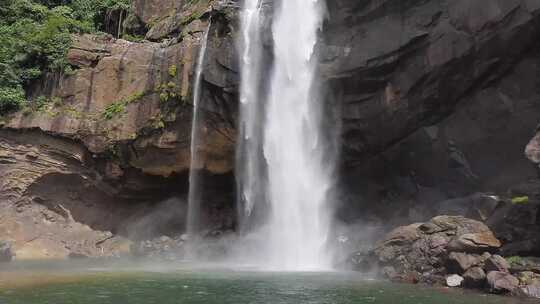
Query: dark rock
[[502, 282], [496, 263], [459, 262], [474, 277], [479, 206], [5, 252], [517, 225]]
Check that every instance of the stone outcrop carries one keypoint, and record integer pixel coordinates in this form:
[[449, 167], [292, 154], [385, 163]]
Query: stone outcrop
[[423, 250], [502, 282], [450, 106], [423, 253], [99, 151]]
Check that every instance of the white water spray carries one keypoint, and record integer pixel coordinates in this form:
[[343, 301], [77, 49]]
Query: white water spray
[[298, 170], [249, 159], [194, 195]]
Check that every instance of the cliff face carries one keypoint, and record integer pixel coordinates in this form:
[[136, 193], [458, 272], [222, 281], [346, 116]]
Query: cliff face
[[438, 100]]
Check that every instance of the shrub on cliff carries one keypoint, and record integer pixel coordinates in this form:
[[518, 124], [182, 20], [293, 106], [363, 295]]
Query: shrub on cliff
[[36, 35]]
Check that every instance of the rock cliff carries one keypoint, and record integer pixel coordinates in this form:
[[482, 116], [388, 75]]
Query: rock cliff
[[437, 99]]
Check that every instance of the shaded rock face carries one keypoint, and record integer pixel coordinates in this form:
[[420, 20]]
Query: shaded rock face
[[435, 105]]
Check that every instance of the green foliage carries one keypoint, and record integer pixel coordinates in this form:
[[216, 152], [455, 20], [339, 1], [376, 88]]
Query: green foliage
[[113, 110], [11, 98], [120, 107], [520, 200], [173, 70], [35, 36], [515, 260], [168, 92]]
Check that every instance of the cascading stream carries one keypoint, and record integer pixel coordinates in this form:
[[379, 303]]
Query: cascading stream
[[298, 169], [249, 170], [194, 195]]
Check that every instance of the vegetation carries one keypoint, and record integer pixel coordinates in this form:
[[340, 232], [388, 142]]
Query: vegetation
[[119, 107], [35, 36], [520, 200], [515, 260]]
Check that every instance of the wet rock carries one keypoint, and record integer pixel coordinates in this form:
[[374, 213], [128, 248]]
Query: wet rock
[[496, 263], [454, 280], [459, 262], [532, 291], [502, 282], [474, 277], [5, 251]]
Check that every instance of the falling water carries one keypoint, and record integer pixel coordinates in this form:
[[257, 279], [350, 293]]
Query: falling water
[[193, 217], [249, 151], [297, 167]]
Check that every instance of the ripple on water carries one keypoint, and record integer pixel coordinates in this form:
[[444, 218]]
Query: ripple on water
[[221, 287]]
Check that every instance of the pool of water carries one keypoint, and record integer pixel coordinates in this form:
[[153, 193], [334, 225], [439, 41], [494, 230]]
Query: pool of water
[[99, 283]]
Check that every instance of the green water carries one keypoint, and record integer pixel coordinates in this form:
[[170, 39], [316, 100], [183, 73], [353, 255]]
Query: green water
[[164, 285]]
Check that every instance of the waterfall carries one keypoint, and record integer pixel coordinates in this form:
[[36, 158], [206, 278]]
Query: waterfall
[[298, 167], [194, 195], [249, 171]]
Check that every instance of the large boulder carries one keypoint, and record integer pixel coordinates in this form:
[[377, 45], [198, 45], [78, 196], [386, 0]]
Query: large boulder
[[502, 282], [460, 262], [474, 277], [424, 249], [496, 263]]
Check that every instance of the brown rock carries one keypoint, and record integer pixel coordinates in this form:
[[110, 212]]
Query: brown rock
[[474, 277], [502, 282], [496, 263], [475, 242], [459, 262]]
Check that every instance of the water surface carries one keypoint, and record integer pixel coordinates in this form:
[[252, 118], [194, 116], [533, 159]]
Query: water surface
[[104, 283]]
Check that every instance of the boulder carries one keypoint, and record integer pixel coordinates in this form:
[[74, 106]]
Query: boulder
[[502, 282], [459, 262], [496, 263], [475, 242], [454, 280], [425, 248], [474, 277], [6, 254]]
